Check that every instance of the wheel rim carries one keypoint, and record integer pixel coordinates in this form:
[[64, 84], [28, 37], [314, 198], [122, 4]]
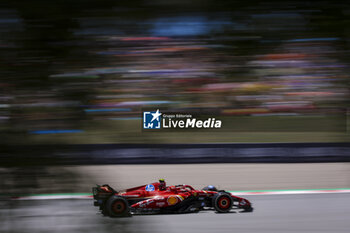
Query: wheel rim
[[118, 207], [224, 203]]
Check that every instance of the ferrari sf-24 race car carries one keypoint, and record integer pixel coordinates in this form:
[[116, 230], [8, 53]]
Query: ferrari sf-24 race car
[[157, 198]]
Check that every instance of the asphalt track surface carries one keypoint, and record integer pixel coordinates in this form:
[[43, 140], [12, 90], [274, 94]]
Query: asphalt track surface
[[273, 213]]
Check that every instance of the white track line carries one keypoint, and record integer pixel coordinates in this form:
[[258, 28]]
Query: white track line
[[288, 192], [53, 197]]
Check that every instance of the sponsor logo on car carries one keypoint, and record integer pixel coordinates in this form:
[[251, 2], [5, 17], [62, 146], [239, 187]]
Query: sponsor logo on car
[[150, 187], [160, 204], [172, 200]]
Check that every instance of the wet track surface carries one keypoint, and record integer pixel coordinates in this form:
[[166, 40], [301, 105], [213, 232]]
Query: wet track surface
[[273, 213]]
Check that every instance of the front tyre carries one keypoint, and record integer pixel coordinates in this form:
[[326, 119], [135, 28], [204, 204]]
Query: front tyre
[[222, 202], [117, 206]]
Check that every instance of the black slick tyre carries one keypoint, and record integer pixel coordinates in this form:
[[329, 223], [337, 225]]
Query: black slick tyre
[[222, 202], [117, 206]]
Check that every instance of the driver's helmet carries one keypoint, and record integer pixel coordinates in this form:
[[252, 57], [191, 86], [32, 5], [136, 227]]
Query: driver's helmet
[[210, 188], [162, 184]]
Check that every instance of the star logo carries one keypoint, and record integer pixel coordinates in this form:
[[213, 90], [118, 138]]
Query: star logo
[[151, 120], [156, 115]]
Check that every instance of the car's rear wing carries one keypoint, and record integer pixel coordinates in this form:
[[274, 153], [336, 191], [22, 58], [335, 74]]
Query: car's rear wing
[[103, 191]]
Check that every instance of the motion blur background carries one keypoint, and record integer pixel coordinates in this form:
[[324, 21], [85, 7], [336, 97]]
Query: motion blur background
[[80, 72]]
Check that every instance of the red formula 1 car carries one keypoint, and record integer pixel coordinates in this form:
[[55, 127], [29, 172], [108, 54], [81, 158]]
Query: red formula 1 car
[[159, 198]]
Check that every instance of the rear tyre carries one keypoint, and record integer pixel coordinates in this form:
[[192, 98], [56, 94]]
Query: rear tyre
[[222, 202], [117, 206]]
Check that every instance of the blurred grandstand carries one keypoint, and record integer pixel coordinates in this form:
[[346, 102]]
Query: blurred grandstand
[[82, 71]]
